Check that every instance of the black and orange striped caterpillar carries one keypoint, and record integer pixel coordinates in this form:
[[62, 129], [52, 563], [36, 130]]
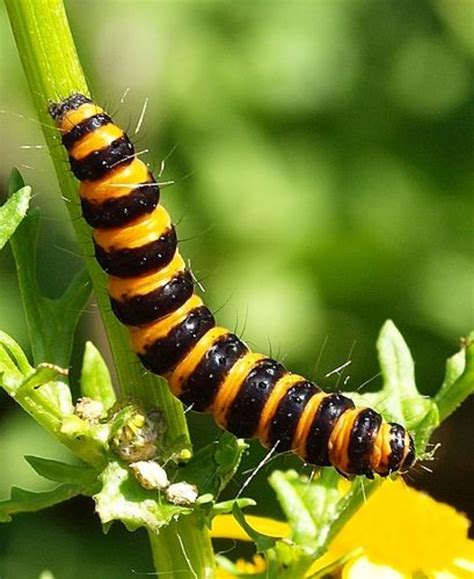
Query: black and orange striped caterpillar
[[175, 334]]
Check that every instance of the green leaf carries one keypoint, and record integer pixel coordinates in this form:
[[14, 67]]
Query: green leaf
[[454, 368], [10, 376], [399, 399], [41, 375], [14, 365], [262, 542], [15, 181], [48, 382], [214, 465], [424, 429], [398, 370], [61, 472], [316, 509], [23, 501], [14, 210], [459, 379], [310, 506], [121, 498], [51, 323], [43, 393], [226, 507], [95, 377]]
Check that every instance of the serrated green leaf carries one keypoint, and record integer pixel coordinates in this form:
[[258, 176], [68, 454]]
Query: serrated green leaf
[[51, 323], [95, 377], [48, 381], [23, 501], [121, 498], [312, 506], [317, 509], [43, 393], [37, 390], [459, 379], [13, 211], [262, 542], [61, 472], [214, 465], [399, 399], [396, 363], [308, 505]]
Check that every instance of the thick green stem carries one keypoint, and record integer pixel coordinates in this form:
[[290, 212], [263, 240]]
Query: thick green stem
[[190, 544], [53, 71]]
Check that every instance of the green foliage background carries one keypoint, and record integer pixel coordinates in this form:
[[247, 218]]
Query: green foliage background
[[321, 152]]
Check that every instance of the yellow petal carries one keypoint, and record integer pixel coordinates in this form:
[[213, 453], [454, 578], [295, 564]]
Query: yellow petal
[[408, 531], [362, 568]]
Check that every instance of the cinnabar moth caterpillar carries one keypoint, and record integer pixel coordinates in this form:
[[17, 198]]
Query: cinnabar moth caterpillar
[[175, 335]]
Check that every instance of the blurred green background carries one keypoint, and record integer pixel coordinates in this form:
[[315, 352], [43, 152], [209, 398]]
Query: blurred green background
[[322, 158]]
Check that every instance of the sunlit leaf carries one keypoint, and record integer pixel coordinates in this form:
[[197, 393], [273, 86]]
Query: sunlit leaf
[[51, 323], [399, 399], [48, 381], [95, 377], [310, 505], [22, 501], [14, 365], [396, 362], [316, 508], [61, 472], [459, 379], [14, 210], [214, 465], [121, 498]]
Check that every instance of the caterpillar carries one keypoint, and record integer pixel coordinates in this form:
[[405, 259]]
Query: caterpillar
[[176, 336]]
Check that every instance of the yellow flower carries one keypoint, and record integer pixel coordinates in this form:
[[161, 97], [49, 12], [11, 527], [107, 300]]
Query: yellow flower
[[398, 533]]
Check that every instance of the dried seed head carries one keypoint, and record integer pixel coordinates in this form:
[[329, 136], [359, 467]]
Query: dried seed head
[[89, 410], [150, 474], [182, 493]]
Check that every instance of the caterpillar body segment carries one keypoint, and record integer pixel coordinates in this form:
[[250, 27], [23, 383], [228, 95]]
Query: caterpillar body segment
[[175, 335]]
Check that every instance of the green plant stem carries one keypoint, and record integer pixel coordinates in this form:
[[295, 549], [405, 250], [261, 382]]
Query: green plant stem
[[189, 540], [53, 71]]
